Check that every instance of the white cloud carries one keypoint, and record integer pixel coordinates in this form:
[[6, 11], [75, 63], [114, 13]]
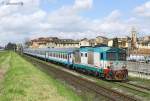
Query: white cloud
[[143, 10], [82, 4], [113, 16], [30, 21]]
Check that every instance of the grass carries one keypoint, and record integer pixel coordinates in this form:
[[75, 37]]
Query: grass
[[24, 82], [86, 96]]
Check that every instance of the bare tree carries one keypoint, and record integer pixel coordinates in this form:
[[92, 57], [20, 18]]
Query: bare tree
[[27, 42]]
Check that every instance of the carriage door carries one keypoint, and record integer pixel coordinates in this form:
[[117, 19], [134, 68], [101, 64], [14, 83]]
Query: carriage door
[[91, 57], [77, 57], [68, 58]]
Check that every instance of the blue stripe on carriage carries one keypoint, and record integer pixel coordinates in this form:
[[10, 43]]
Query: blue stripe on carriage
[[60, 61]]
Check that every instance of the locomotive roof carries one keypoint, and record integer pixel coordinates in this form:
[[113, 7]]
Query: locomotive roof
[[101, 49]]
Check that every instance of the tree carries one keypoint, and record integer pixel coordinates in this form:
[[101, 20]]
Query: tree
[[27, 42], [11, 46]]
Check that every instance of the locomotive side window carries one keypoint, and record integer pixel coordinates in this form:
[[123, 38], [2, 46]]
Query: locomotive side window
[[81, 54], [85, 54], [102, 56]]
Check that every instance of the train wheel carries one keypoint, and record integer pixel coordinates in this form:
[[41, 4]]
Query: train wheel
[[107, 77], [118, 75]]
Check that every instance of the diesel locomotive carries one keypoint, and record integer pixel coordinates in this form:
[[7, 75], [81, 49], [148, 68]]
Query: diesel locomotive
[[102, 61]]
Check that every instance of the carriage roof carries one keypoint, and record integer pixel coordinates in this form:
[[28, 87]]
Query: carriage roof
[[55, 49]]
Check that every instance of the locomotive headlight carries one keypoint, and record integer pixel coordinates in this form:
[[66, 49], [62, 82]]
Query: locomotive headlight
[[124, 66]]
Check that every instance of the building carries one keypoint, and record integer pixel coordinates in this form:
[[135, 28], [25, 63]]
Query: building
[[144, 45], [119, 42], [39, 43], [53, 42], [101, 40], [133, 38], [67, 43], [124, 43], [84, 42], [146, 38], [140, 52], [92, 42]]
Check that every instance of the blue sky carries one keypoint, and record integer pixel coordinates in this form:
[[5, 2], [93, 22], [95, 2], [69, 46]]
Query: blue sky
[[75, 19], [99, 9]]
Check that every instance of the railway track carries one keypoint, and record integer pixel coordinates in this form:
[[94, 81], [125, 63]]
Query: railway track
[[133, 88], [138, 86], [80, 83]]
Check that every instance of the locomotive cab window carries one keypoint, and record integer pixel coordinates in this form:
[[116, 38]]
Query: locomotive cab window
[[111, 56], [122, 56]]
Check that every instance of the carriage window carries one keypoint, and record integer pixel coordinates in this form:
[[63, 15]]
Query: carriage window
[[62, 55], [85, 54], [70, 55], [111, 56], [65, 57], [102, 56], [59, 55]]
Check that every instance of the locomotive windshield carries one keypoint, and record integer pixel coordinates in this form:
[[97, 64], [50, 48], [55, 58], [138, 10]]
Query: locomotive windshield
[[115, 56], [122, 56], [111, 56]]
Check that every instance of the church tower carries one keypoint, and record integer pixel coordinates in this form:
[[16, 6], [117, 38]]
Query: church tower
[[133, 38]]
